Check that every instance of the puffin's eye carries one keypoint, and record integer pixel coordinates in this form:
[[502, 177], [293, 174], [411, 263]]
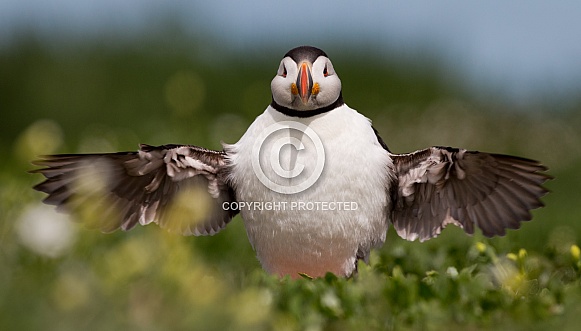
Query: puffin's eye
[[284, 71], [325, 72]]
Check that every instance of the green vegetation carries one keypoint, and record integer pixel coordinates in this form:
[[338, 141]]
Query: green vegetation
[[99, 98]]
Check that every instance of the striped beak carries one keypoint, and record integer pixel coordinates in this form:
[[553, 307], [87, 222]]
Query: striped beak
[[304, 82]]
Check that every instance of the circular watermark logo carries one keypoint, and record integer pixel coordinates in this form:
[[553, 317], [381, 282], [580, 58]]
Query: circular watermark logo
[[294, 145]]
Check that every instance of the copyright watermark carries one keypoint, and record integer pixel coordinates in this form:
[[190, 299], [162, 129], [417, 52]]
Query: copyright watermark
[[291, 205], [288, 157]]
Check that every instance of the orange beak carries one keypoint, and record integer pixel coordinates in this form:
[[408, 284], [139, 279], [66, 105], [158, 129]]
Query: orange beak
[[304, 82]]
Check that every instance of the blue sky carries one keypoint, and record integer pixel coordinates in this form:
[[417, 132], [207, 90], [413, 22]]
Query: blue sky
[[520, 47]]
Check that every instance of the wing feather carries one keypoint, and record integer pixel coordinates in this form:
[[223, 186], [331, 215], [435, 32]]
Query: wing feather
[[442, 185], [151, 185]]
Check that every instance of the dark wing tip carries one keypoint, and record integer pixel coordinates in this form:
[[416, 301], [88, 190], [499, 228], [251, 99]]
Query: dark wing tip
[[493, 192], [136, 188]]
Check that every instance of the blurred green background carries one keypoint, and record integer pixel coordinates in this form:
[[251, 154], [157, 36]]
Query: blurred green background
[[107, 94]]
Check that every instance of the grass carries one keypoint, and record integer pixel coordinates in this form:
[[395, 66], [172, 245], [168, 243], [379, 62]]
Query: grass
[[149, 279], [92, 98]]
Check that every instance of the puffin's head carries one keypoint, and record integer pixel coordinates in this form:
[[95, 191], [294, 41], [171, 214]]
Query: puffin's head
[[305, 80]]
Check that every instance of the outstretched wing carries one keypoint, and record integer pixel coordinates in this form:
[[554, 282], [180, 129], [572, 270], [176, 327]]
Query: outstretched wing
[[182, 188], [442, 185]]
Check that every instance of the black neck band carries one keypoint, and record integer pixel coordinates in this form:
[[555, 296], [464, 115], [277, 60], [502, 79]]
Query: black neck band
[[307, 113]]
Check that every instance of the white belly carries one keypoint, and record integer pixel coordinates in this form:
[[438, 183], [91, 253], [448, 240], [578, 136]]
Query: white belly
[[325, 226]]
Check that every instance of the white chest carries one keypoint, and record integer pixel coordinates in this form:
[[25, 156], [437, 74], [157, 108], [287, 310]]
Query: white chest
[[312, 191]]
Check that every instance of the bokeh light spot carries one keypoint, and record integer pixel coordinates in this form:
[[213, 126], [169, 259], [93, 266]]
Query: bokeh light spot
[[40, 138], [228, 128], [185, 92], [190, 207], [45, 232]]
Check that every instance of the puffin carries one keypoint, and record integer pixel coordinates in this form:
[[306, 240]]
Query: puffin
[[314, 183]]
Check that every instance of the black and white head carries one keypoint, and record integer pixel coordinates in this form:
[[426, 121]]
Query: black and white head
[[306, 81]]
